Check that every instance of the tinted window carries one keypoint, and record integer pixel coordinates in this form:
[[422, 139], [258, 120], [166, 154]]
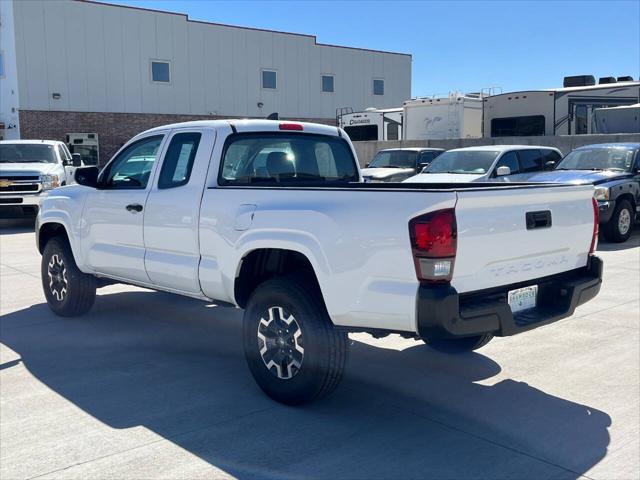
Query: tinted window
[[394, 159], [550, 156], [378, 86], [581, 119], [517, 126], [178, 161], [327, 83], [469, 162], [275, 158], [392, 131], [427, 157], [160, 72], [25, 153], [620, 159], [269, 79], [530, 161], [362, 133], [131, 168], [509, 159]]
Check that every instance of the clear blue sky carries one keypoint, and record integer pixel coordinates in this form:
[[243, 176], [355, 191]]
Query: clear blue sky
[[463, 45]]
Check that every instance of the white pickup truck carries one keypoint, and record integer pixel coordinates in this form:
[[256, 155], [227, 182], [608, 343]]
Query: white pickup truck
[[274, 218], [28, 170]]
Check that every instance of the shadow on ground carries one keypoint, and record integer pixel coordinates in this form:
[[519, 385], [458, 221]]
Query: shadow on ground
[[18, 225], [605, 246], [176, 367]]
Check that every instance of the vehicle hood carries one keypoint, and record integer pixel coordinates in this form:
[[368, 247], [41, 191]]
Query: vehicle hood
[[382, 173], [34, 168], [443, 178], [578, 177]]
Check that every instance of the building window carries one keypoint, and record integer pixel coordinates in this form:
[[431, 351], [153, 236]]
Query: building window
[[269, 79], [378, 86], [160, 71], [327, 83]]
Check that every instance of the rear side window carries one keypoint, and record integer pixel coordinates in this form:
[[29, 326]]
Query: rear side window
[[530, 161], [510, 160], [178, 161], [289, 159]]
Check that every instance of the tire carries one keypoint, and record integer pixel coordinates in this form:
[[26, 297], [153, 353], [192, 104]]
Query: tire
[[460, 345], [68, 291], [618, 228], [292, 349]]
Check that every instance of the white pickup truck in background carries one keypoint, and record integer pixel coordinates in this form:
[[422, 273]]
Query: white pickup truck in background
[[273, 217], [28, 170]]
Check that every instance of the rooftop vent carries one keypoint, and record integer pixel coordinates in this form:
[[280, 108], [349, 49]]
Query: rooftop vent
[[607, 80], [626, 78], [579, 81]]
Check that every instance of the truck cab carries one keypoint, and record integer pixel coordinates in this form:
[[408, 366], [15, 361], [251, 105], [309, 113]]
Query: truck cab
[[28, 170]]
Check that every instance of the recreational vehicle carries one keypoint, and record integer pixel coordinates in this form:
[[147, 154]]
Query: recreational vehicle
[[372, 124], [560, 111], [624, 119], [455, 116]]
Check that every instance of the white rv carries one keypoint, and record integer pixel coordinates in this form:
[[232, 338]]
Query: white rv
[[559, 111], [625, 119], [372, 124], [455, 116]]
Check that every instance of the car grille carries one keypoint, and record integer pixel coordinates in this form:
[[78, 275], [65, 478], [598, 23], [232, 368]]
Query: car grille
[[14, 183]]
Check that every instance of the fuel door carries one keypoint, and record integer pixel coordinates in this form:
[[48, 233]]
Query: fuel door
[[244, 217]]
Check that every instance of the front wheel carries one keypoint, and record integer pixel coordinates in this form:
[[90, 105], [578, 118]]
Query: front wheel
[[459, 345], [618, 228], [293, 351], [68, 291]]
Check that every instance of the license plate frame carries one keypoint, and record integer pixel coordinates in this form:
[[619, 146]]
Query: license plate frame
[[522, 299]]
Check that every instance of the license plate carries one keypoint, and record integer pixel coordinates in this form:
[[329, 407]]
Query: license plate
[[523, 298]]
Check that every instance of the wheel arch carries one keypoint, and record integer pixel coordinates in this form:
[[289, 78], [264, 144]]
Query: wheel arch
[[261, 264]]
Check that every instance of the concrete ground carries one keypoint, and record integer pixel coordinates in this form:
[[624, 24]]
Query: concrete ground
[[150, 385]]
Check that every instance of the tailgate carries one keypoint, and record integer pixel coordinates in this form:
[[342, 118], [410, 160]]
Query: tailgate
[[496, 246]]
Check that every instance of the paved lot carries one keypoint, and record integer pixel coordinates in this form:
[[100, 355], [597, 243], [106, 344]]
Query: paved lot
[[151, 385]]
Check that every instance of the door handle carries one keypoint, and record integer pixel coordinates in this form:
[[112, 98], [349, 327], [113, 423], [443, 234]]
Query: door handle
[[134, 207]]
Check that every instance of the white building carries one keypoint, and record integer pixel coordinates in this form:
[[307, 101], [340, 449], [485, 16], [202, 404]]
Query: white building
[[73, 66]]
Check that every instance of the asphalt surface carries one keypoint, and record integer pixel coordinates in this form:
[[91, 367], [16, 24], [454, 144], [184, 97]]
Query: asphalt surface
[[151, 385]]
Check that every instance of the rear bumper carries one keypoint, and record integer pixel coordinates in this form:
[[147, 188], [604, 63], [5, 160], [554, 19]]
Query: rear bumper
[[443, 313]]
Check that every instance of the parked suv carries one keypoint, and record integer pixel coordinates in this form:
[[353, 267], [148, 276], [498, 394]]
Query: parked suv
[[28, 169], [397, 164], [614, 169], [486, 163]]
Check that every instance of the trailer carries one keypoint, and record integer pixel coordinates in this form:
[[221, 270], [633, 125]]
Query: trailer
[[457, 115], [371, 124], [559, 111], [625, 119]]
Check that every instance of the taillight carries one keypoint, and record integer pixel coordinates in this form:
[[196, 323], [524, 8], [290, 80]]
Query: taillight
[[434, 243], [596, 219], [291, 126]]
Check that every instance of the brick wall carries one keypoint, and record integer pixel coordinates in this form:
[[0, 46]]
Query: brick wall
[[113, 129]]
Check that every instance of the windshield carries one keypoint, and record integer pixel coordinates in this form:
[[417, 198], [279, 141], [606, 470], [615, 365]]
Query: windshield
[[476, 162], [25, 153], [394, 159], [617, 159]]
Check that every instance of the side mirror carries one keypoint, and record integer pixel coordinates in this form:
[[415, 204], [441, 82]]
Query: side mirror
[[424, 169], [502, 171], [422, 166], [87, 176], [366, 165], [550, 165], [76, 160]]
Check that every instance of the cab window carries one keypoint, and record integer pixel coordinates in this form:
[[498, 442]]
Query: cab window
[[131, 168], [509, 159], [530, 161]]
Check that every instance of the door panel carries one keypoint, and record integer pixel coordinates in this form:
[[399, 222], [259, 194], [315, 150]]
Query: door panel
[[173, 209], [113, 241]]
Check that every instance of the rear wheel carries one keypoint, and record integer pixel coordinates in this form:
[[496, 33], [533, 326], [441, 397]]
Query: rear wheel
[[618, 228], [291, 347], [68, 291], [459, 345]]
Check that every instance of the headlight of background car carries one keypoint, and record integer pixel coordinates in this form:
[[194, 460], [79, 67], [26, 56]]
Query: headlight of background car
[[601, 193], [50, 181]]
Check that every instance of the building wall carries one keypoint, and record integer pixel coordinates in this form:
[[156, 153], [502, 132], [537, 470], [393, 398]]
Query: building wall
[[10, 126], [97, 57], [564, 143], [113, 129]]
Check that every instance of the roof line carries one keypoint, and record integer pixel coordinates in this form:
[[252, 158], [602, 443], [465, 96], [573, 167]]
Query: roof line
[[186, 16]]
